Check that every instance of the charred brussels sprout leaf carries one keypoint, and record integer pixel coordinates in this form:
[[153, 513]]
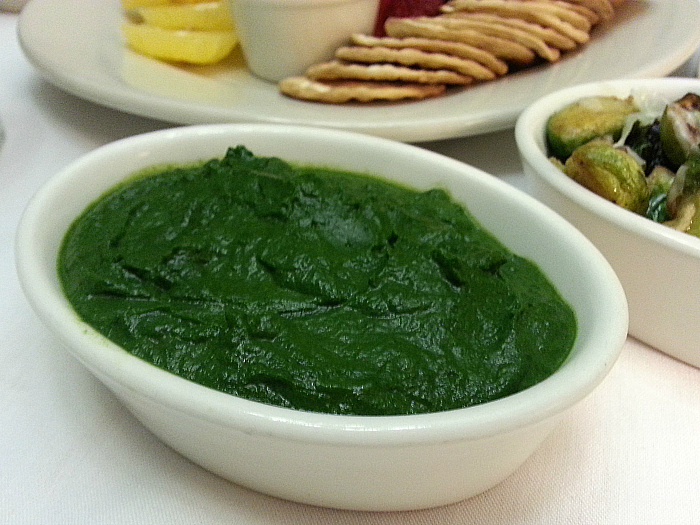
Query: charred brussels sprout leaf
[[587, 119], [659, 182], [610, 172], [657, 210], [645, 141]]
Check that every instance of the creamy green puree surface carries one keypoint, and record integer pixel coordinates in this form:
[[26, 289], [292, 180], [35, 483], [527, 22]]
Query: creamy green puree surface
[[313, 289]]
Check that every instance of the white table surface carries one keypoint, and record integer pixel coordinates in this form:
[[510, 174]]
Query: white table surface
[[69, 452]]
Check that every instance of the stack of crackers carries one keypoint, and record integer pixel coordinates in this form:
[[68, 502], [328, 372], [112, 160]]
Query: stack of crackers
[[469, 41]]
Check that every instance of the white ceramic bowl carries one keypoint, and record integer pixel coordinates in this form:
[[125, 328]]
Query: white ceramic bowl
[[281, 38], [369, 463], [659, 267]]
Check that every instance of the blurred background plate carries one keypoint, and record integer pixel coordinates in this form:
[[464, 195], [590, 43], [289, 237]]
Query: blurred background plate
[[78, 47], [12, 5]]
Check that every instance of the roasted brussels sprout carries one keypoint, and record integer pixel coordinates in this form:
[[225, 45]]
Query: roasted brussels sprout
[[680, 129], [582, 121], [643, 156], [610, 172]]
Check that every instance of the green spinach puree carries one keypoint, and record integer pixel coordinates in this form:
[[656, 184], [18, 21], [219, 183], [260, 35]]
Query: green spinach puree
[[312, 289]]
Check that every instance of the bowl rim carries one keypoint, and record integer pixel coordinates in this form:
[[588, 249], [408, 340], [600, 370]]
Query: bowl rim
[[113, 365], [530, 139]]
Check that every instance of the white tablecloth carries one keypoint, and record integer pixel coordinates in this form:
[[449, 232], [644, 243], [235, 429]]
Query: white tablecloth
[[69, 453]]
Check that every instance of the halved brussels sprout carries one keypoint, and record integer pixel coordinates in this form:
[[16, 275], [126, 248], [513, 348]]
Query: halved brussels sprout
[[586, 119], [610, 172]]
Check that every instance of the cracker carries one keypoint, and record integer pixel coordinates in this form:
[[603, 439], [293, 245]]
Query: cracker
[[536, 11], [458, 49], [501, 48], [471, 40], [536, 44], [338, 70], [551, 37], [582, 10], [414, 57], [341, 92], [563, 10], [603, 8]]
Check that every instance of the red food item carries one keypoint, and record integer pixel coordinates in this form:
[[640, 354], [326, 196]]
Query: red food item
[[404, 9]]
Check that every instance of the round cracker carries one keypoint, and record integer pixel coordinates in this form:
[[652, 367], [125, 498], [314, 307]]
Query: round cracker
[[560, 10], [532, 11], [603, 8], [414, 57], [506, 32], [551, 37], [341, 92], [504, 49], [430, 45], [588, 14], [337, 70]]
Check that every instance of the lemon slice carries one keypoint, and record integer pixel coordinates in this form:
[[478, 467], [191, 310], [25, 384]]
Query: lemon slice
[[128, 5], [194, 47], [206, 16]]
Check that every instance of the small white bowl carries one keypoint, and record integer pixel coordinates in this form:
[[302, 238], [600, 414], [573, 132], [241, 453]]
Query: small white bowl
[[350, 462], [281, 38], [659, 267]]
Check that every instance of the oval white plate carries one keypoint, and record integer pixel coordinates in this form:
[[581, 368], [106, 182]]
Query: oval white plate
[[78, 47]]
